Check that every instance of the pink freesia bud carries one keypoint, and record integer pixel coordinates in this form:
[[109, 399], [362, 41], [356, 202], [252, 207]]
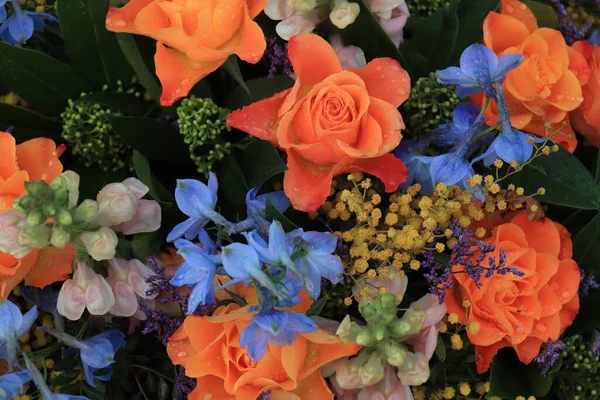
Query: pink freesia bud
[[415, 370], [392, 16], [117, 204], [148, 214], [136, 187], [393, 283], [425, 341], [390, 388], [299, 23], [88, 290], [128, 281], [350, 56], [101, 245], [11, 225], [344, 13]]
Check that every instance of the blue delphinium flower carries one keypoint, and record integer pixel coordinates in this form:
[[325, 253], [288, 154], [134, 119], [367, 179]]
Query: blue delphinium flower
[[279, 327], [196, 200], [96, 352], [479, 69], [316, 260], [13, 326], [197, 271], [463, 117], [256, 206], [41, 385], [46, 300], [19, 27], [11, 385], [417, 165]]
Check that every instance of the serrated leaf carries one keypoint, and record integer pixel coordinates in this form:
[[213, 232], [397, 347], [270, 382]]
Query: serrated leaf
[[43, 81], [155, 139], [128, 104], [133, 55], [259, 89], [93, 51], [566, 180], [261, 161]]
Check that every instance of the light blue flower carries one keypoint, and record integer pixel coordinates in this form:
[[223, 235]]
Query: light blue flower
[[11, 385], [479, 69], [278, 327], [13, 326], [451, 168], [278, 251], [463, 117], [198, 271], [316, 260], [256, 206], [19, 27], [3, 13], [41, 385], [416, 164], [198, 202], [595, 38]]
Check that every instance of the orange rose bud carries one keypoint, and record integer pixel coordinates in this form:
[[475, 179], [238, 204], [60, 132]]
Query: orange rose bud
[[33, 160], [520, 311], [194, 37], [332, 121], [290, 372], [547, 85]]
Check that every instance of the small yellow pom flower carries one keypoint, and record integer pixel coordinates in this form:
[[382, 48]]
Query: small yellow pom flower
[[466, 303], [456, 341], [464, 388], [414, 265], [449, 392], [440, 247], [498, 163], [520, 191], [348, 301], [453, 318], [473, 328], [541, 191]]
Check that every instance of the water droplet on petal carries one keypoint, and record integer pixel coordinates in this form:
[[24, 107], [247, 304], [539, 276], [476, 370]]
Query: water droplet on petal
[[108, 21], [120, 23], [541, 327], [182, 354], [378, 68], [185, 81], [510, 9], [520, 329], [522, 6], [50, 163], [44, 176], [295, 189]]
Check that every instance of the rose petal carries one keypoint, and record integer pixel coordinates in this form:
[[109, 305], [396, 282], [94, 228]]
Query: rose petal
[[305, 183], [386, 80], [521, 12], [502, 31], [122, 19]]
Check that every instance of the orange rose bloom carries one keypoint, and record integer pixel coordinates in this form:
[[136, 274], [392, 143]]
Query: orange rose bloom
[[209, 349], [520, 311], [547, 85], [33, 160], [331, 121], [194, 37], [586, 119]]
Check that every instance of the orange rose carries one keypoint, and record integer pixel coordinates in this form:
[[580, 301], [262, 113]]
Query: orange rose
[[520, 311], [547, 85], [194, 37], [331, 121], [209, 349], [586, 119], [33, 160]]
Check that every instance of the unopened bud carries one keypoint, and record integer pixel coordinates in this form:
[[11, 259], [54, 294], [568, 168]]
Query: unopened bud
[[86, 211], [380, 332], [344, 13], [373, 371], [302, 5], [395, 353], [64, 217], [35, 237], [343, 331], [61, 197], [399, 328], [415, 319], [68, 181], [49, 209], [387, 302], [366, 338], [60, 237], [38, 189], [368, 310], [35, 217], [101, 245], [25, 202]]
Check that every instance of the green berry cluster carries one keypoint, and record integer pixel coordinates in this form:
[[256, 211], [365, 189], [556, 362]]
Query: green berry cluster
[[423, 8], [88, 131], [579, 374], [430, 105], [202, 123]]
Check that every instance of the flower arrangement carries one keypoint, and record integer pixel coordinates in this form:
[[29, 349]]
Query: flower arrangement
[[299, 199]]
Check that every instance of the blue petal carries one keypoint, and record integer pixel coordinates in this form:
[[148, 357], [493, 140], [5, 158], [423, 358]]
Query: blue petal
[[466, 91], [2, 12], [279, 246], [28, 320], [330, 267], [284, 338], [449, 168], [278, 198], [255, 340], [480, 63], [463, 117], [300, 323], [115, 337], [261, 247], [251, 195], [506, 63], [190, 228], [595, 38], [513, 146], [46, 298], [455, 76], [213, 187], [272, 321], [193, 197], [208, 245], [203, 293], [12, 383], [89, 375], [98, 353], [20, 27], [320, 242], [239, 259], [311, 277]]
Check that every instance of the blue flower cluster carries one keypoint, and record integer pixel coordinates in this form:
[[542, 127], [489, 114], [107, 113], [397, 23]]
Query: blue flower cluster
[[19, 27], [480, 70], [278, 265]]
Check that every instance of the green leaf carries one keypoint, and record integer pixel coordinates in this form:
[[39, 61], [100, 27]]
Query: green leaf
[[93, 51], [146, 245], [155, 139], [24, 117], [93, 393], [133, 55], [233, 68], [510, 378], [585, 246], [259, 89], [43, 81], [430, 47], [273, 214], [125, 103], [367, 33], [260, 161], [588, 317], [239, 300], [545, 14], [232, 181], [471, 14], [317, 306], [66, 364], [163, 390], [566, 180], [142, 170], [440, 349]]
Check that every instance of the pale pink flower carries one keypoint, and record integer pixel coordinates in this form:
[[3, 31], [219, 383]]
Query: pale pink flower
[[128, 282], [390, 388], [350, 56], [415, 370], [294, 21], [11, 225], [101, 244], [426, 341], [392, 15]]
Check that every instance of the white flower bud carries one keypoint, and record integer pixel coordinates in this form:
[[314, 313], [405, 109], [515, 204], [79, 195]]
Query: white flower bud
[[11, 225], [344, 13], [117, 204], [86, 211], [101, 244]]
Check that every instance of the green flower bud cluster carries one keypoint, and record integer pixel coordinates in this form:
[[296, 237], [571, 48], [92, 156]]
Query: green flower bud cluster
[[423, 8], [579, 374], [202, 123], [430, 105], [384, 331], [89, 133]]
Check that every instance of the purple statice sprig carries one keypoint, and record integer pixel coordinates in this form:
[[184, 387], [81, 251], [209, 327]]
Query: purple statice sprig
[[183, 383], [160, 283], [587, 283], [277, 56], [568, 28], [437, 275], [549, 356], [596, 344]]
